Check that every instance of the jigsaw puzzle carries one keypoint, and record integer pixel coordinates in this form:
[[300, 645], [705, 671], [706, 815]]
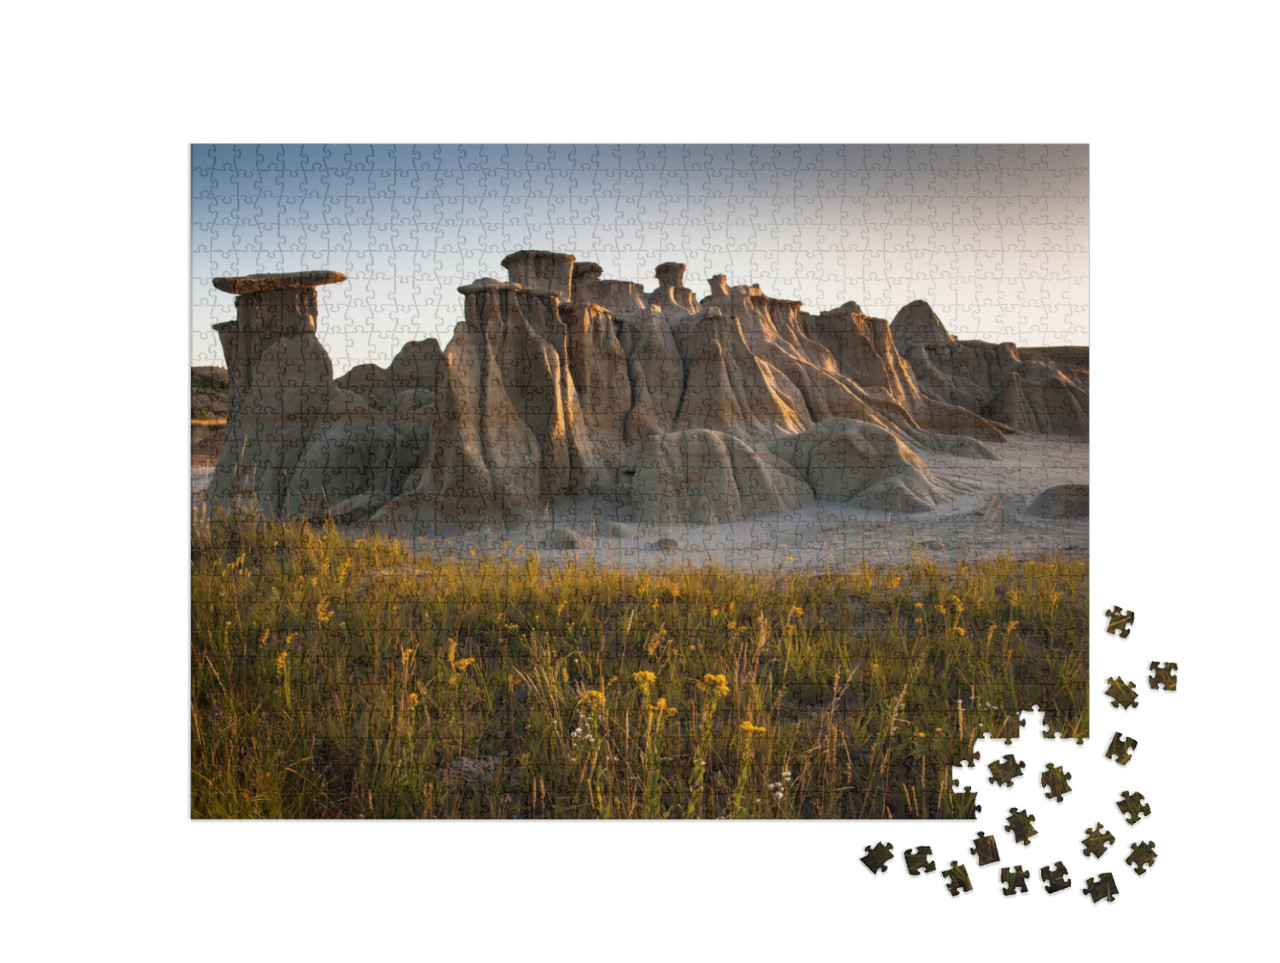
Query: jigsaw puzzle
[[1119, 621], [1133, 806], [1163, 676], [1121, 748], [1014, 879], [1019, 823], [509, 453], [1056, 782], [1055, 878], [918, 860], [878, 857], [1096, 841], [957, 879]]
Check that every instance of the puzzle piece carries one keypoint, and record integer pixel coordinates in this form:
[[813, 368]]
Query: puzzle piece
[[1019, 823], [1134, 806], [1141, 856], [1104, 887], [1055, 880], [958, 879], [877, 858], [918, 860], [1119, 622], [1121, 748], [1005, 771], [1015, 879], [1096, 841], [1123, 694], [984, 847], [1056, 781], [1164, 676]]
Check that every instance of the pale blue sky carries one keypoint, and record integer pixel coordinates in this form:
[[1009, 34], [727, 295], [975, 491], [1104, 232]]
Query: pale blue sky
[[996, 238]]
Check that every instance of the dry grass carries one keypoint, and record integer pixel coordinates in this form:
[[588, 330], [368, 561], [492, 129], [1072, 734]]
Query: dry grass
[[337, 678]]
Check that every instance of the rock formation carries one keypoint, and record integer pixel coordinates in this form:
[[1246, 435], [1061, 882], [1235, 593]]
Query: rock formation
[[561, 384], [990, 380]]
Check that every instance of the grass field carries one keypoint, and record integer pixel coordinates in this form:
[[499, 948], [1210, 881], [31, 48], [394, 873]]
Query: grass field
[[338, 678]]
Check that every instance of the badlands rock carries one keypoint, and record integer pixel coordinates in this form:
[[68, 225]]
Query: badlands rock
[[1061, 502], [562, 384], [711, 477], [859, 463], [991, 380], [281, 382]]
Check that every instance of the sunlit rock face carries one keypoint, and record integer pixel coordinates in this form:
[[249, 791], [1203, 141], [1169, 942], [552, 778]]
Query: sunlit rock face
[[561, 384]]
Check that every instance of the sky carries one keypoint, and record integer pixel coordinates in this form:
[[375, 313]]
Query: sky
[[995, 238]]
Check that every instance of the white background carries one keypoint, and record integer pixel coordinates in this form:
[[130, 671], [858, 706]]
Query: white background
[[102, 104]]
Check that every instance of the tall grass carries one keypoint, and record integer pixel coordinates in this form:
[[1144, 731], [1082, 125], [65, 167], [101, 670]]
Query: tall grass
[[340, 678]]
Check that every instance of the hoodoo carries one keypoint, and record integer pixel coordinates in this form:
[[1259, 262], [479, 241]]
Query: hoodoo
[[560, 386]]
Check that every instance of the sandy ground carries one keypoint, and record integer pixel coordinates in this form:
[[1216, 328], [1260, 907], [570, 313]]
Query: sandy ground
[[990, 521]]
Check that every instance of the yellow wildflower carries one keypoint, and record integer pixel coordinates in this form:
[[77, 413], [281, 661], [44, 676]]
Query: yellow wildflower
[[462, 664], [406, 655], [662, 709], [593, 699], [282, 663], [413, 700], [644, 679], [960, 631], [752, 730], [716, 685], [956, 603], [797, 611]]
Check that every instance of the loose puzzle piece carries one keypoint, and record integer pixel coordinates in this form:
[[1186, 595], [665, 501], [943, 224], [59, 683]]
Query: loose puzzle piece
[[1096, 841], [1141, 856], [1164, 676], [1056, 879], [1134, 806], [918, 860], [1015, 879], [877, 857], [1005, 771], [1119, 623], [1104, 887], [1121, 748], [1056, 781], [958, 878], [1123, 694], [984, 847], [1019, 823]]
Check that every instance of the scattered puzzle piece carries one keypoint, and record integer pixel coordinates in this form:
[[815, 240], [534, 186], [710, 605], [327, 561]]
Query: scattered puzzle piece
[[1141, 856], [877, 858], [958, 878], [1056, 781], [984, 847], [1121, 748], [1096, 841], [1119, 622], [918, 860], [1123, 694], [1134, 807], [1165, 676], [1055, 880], [1004, 772], [1015, 879], [1019, 823], [1104, 887]]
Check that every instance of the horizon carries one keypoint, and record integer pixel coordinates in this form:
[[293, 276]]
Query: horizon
[[994, 238]]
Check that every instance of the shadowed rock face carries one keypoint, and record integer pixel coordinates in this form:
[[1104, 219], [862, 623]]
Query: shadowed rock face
[[561, 383]]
